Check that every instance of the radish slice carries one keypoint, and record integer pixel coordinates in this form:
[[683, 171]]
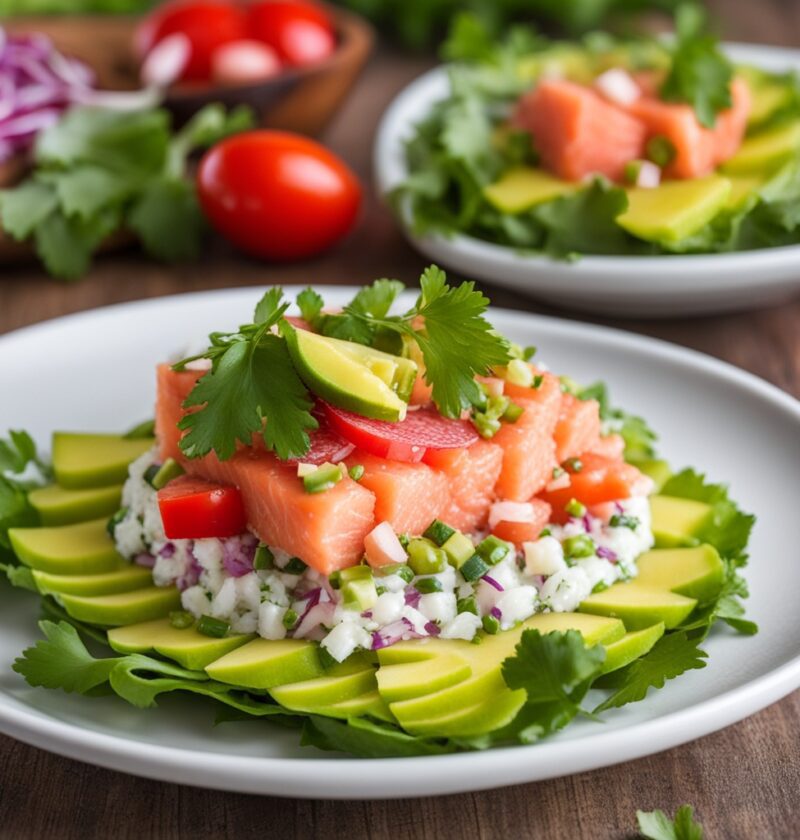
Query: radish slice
[[510, 512], [618, 86], [164, 63], [244, 61], [383, 547]]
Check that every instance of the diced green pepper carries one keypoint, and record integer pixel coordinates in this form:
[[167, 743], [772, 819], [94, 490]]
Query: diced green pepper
[[214, 627], [492, 550], [474, 568], [428, 585]]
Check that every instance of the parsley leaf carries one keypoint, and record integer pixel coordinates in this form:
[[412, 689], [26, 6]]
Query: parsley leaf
[[251, 389], [556, 670], [656, 825], [700, 73], [671, 656]]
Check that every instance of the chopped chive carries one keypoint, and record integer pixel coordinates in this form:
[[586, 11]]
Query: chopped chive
[[406, 573], [428, 585], [490, 624], [322, 479], [111, 525], [181, 619], [469, 605], [263, 558], [380, 590], [631, 171], [214, 627], [581, 545], [474, 568], [476, 640], [150, 473], [492, 550], [512, 413], [290, 619], [166, 472], [519, 372], [575, 508], [622, 520], [486, 426], [295, 566], [356, 472], [438, 532], [660, 150]]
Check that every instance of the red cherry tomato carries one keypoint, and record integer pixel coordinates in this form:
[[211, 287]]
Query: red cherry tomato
[[192, 509], [407, 440], [208, 24], [300, 32], [277, 195]]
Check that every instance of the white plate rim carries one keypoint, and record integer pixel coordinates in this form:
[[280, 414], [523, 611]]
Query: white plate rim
[[722, 272], [398, 778]]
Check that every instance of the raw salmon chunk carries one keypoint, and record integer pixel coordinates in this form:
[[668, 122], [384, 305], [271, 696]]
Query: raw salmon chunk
[[408, 496], [325, 530], [577, 133], [578, 427], [471, 477], [172, 388], [520, 532], [609, 446]]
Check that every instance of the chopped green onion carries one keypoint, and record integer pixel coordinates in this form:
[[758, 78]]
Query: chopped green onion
[[474, 568], [263, 558], [425, 558], [290, 619], [214, 627], [428, 585], [574, 465], [493, 550], [575, 508], [512, 413], [356, 472], [437, 532], [468, 604], [150, 473], [622, 520], [487, 426], [322, 479], [405, 572], [295, 566], [581, 545], [111, 525], [181, 619], [519, 372], [490, 624], [660, 150], [166, 472]]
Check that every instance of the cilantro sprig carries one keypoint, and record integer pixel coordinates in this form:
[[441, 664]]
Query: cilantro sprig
[[656, 825], [253, 387], [700, 74]]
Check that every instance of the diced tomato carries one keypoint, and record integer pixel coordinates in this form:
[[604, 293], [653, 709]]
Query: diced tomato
[[599, 480], [193, 508], [408, 440]]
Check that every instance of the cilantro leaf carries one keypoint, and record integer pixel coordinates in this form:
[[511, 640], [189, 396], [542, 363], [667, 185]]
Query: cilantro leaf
[[671, 656], [61, 660], [65, 243], [26, 206], [310, 303], [656, 825], [17, 451], [700, 73], [376, 299], [86, 189], [456, 340], [19, 576], [555, 670]]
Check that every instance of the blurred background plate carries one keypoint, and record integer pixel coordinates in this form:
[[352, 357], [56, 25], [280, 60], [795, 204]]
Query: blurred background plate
[[626, 286]]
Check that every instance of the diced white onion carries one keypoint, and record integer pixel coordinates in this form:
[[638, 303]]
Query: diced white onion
[[618, 86], [649, 176], [510, 512]]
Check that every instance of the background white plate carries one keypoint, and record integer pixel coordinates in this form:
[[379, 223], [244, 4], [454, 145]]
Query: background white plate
[[658, 286], [94, 371]]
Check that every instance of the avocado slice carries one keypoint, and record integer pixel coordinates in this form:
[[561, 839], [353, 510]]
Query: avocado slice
[[125, 579], [744, 189], [639, 605], [766, 151], [87, 460], [694, 572], [676, 522], [369, 704], [675, 209], [631, 646], [187, 647], [58, 506], [524, 187], [466, 707], [82, 549], [345, 681], [361, 379], [267, 664], [122, 607], [768, 94], [403, 681]]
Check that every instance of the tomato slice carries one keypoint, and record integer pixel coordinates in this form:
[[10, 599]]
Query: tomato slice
[[407, 440], [193, 508]]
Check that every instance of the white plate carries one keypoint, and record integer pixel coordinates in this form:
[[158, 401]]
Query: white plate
[[656, 286], [94, 371]]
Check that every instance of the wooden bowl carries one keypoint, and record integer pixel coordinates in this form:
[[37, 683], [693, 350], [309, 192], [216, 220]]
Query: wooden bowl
[[301, 100]]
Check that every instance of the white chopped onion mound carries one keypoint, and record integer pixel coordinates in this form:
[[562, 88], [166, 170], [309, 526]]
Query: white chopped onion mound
[[216, 578]]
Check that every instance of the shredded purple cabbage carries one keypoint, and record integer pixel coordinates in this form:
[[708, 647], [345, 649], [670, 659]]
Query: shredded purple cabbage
[[492, 582]]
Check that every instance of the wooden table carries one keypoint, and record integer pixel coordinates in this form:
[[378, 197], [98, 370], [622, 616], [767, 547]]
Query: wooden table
[[743, 781]]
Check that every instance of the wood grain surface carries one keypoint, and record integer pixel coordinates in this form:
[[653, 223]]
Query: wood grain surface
[[743, 781]]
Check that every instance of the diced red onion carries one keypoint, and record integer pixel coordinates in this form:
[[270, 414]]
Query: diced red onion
[[167, 550], [492, 582], [412, 597], [312, 599], [315, 617], [432, 629], [587, 523], [496, 612], [606, 553], [238, 553], [191, 575]]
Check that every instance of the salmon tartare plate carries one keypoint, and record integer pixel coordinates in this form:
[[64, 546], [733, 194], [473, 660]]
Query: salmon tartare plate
[[392, 526]]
